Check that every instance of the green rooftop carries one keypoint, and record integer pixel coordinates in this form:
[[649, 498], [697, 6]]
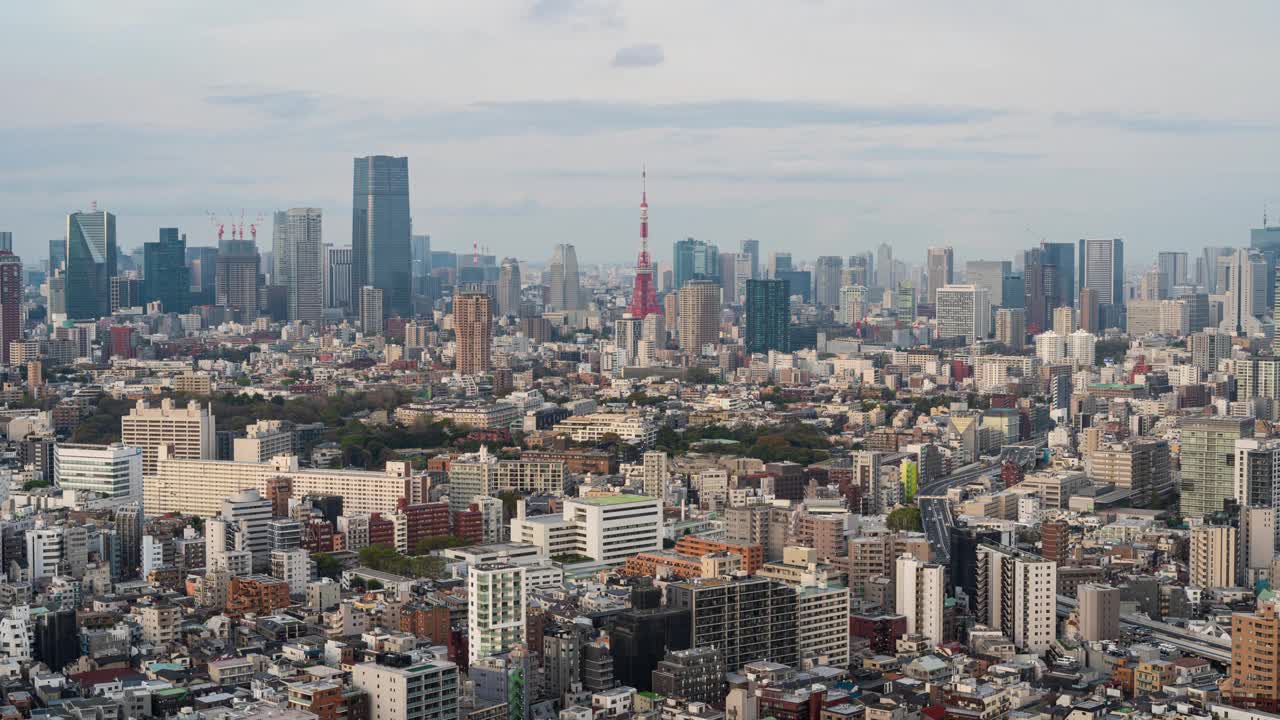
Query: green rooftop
[[605, 500], [1116, 386]]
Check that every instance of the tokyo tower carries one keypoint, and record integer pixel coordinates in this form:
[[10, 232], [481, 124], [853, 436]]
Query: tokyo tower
[[644, 299]]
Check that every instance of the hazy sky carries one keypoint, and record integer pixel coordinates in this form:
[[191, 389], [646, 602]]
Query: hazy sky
[[816, 127]]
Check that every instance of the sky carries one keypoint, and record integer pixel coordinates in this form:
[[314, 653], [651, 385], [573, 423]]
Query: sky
[[814, 127]]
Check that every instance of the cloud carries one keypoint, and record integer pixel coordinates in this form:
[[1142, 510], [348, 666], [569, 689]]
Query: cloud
[[639, 56], [281, 104], [1162, 124], [584, 117], [604, 13]]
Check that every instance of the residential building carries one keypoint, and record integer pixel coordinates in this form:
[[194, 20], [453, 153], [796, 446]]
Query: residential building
[[1017, 595], [495, 609], [1099, 611], [302, 254], [371, 310], [423, 691], [1254, 679], [748, 619], [188, 432], [197, 487], [699, 315], [1213, 556], [473, 324], [1206, 480], [768, 316], [921, 590]]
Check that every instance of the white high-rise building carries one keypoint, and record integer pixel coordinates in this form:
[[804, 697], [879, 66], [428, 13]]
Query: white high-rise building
[[303, 251], [188, 431], [963, 311], [1246, 293], [109, 471], [292, 566], [1064, 320], [822, 623], [1017, 595], [495, 609], [423, 691], [1082, 348], [656, 474], [853, 304], [607, 529], [248, 518], [1051, 347], [45, 548], [152, 554], [921, 591], [263, 440]]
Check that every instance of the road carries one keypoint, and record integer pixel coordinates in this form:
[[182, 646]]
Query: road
[[1186, 641], [935, 512]]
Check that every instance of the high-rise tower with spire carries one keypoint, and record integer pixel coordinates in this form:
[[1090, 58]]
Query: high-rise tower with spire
[[644, 299]]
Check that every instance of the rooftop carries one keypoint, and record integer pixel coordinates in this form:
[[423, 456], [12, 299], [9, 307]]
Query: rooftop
[[606, 500]]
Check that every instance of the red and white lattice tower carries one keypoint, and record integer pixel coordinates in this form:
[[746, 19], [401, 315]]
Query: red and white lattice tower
[[644, 299]]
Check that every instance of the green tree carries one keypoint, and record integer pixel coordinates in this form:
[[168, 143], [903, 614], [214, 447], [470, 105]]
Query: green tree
[[905, 519], [327, 565]]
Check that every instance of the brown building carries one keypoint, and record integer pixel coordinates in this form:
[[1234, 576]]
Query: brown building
[[430, 622], [694, 546], [1055, 536], [1099, 608], [473, 325], [322, 697], [699, 315], [258, 594], [596, 462], [1254, 681]]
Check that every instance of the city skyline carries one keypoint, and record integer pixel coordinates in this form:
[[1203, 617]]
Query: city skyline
[[997, 144]]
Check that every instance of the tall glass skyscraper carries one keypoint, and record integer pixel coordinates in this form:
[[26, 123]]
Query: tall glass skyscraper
[[380, 231], [165, 275], [768, 318], [90, 264], [695, 260]]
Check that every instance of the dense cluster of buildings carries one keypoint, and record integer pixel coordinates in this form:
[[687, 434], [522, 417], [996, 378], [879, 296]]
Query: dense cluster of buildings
[[387, 482]]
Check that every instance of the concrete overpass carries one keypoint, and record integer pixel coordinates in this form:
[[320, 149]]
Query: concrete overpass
[[1188, 642]]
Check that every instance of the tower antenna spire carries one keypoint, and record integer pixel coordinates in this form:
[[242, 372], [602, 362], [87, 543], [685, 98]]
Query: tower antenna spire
[[644, 298]]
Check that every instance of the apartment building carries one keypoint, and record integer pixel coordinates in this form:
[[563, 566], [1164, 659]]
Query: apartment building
[[1017, 595], [197, 487], [495, 609], [187, 431], [748, 619], [425, 691], [921, 590]]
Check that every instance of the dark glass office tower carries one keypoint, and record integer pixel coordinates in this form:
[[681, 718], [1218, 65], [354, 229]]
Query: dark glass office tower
[[768, 315], [165, 274], [90, 264], [380, 231], [202, 264], [1062, 258]]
